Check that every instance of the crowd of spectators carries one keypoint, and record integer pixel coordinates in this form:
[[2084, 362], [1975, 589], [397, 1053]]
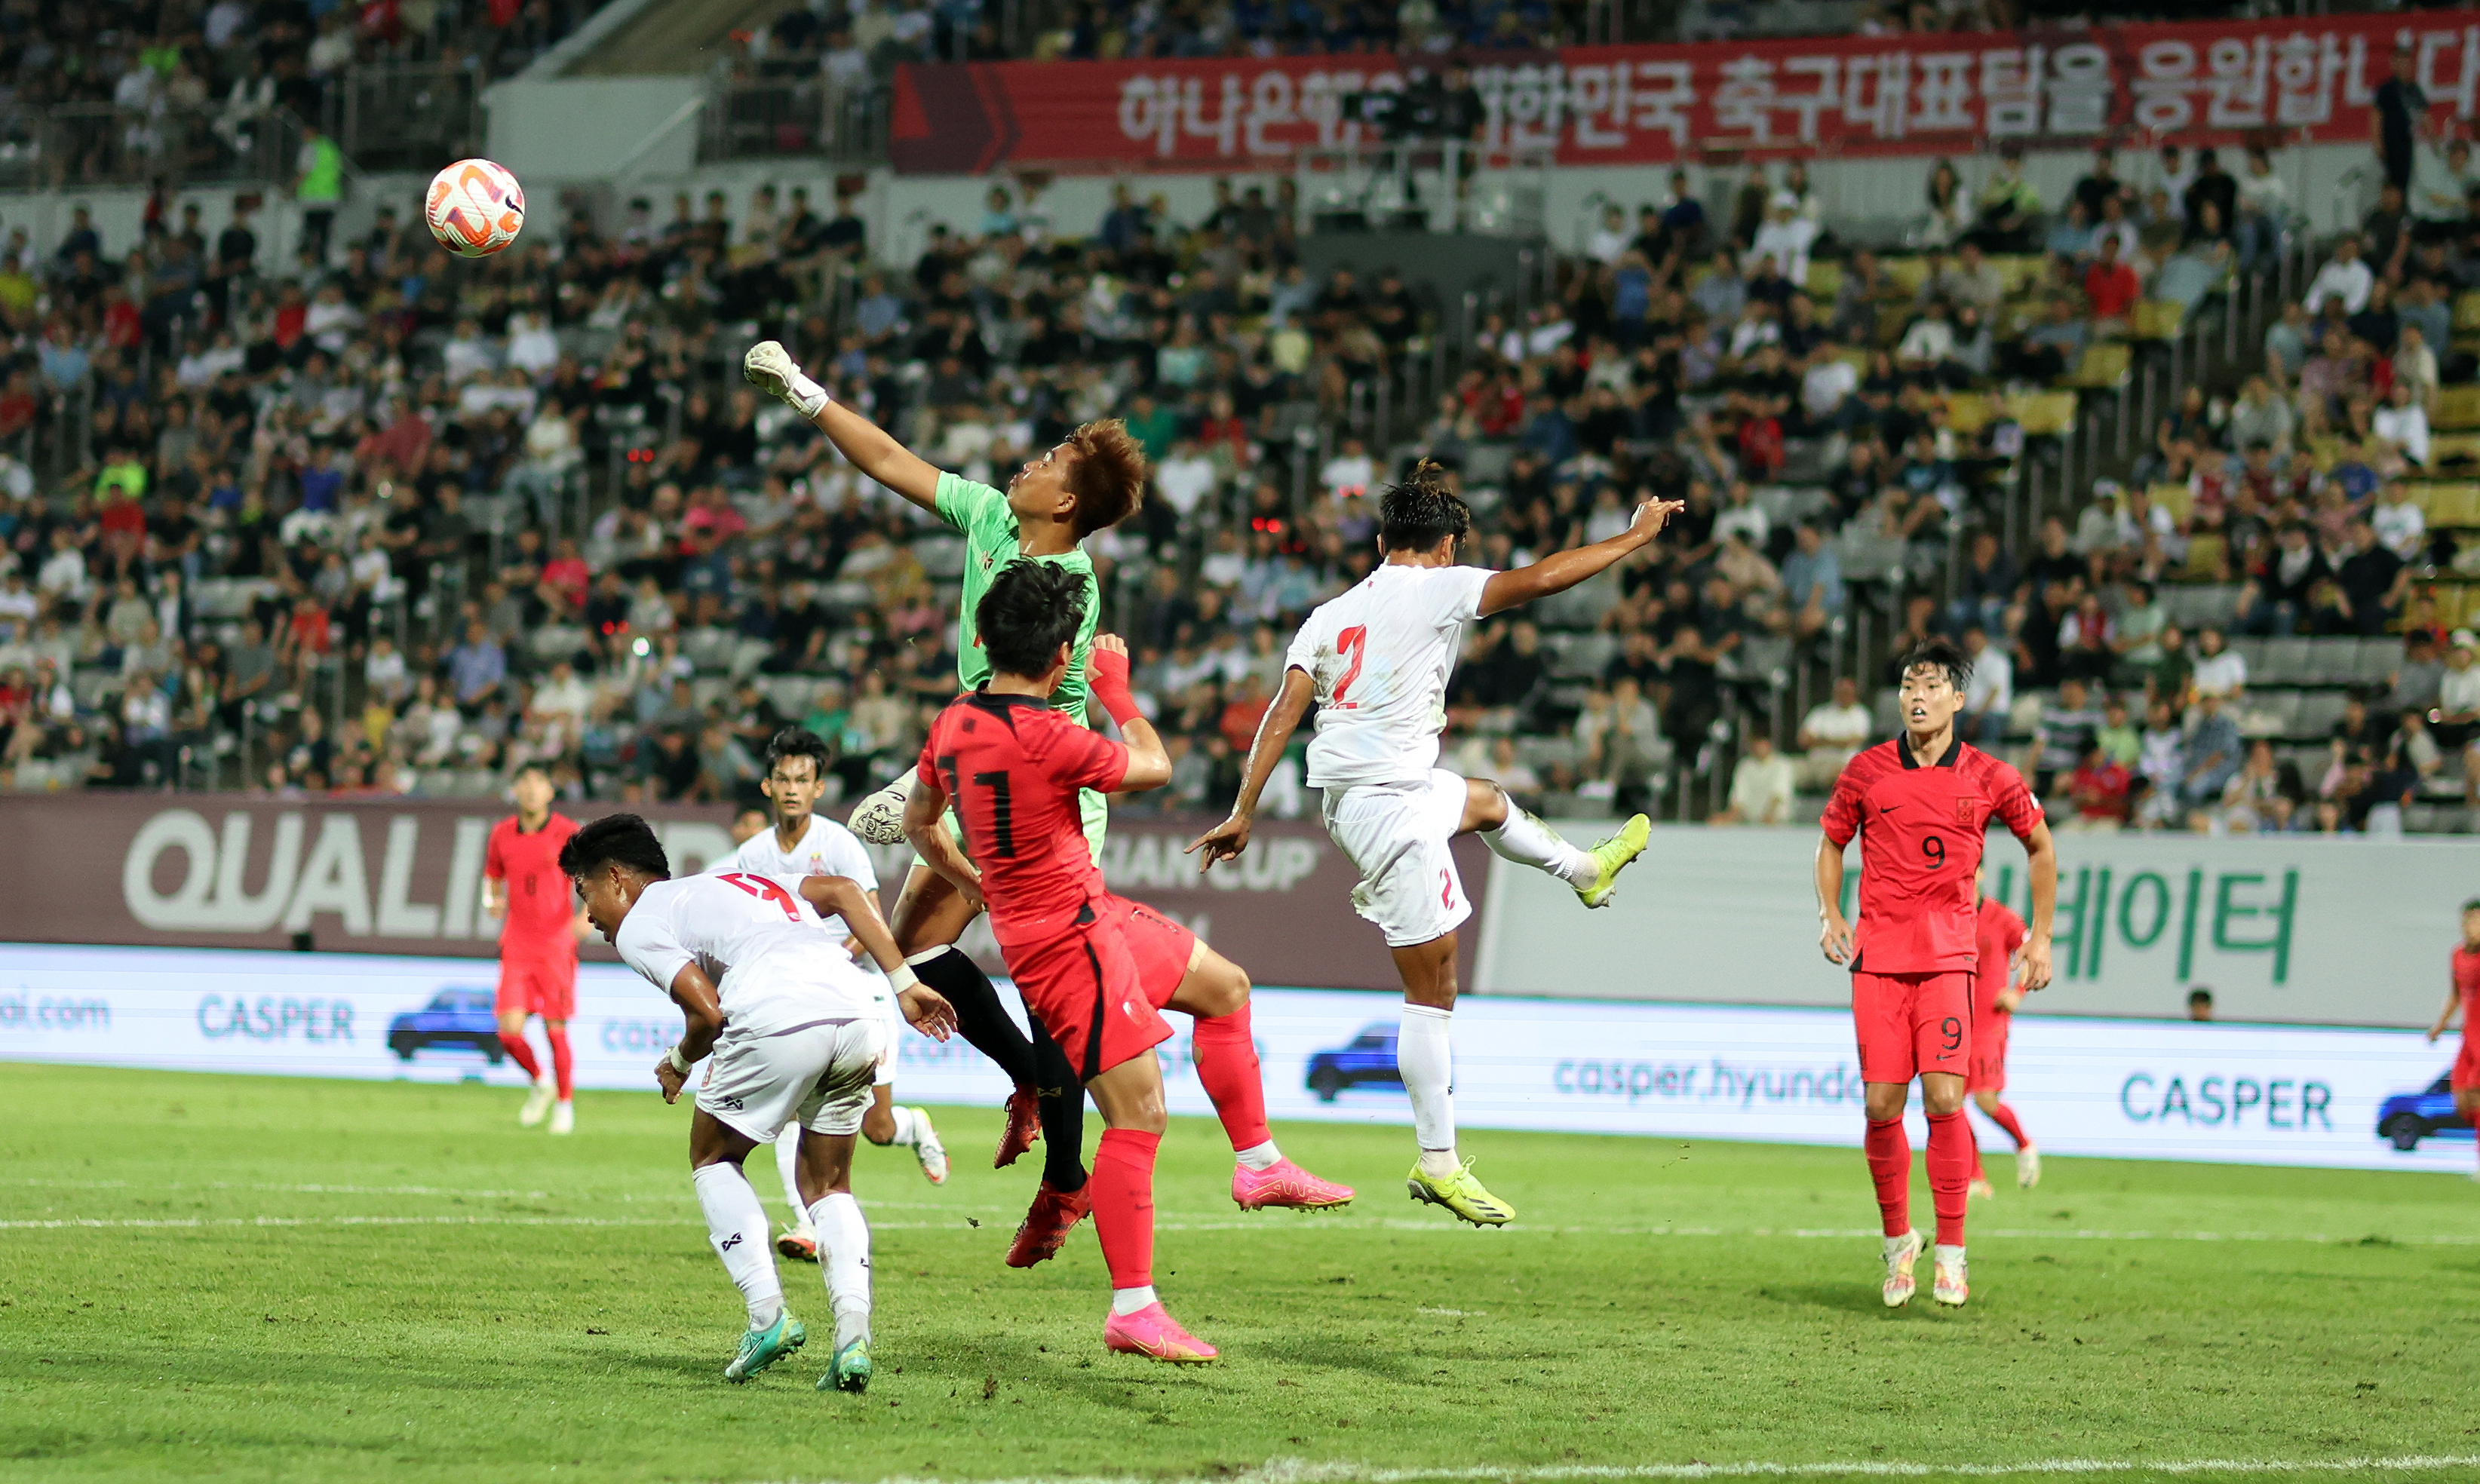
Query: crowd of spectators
[[379, 520]]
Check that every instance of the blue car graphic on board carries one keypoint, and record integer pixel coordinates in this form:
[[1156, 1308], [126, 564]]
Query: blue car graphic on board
[[1369, 1058], [2407, 1118], [458, 1016]]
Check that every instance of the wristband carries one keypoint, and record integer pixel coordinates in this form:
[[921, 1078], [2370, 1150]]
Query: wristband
[[902, 978], [1106, 677], [679, 1063], [804, 395]]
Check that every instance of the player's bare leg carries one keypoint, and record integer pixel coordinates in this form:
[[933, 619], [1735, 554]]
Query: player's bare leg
[[1949, 1161], [1514, 833], [1130, 1097], [512, 1037], [1425, 1055], [2028, 1157], [885, 1122], [1216, 991], [825, 1173], [736, 1225]]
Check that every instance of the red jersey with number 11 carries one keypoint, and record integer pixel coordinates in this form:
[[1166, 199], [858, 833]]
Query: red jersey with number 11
[[1920, 833], [1012, 766]]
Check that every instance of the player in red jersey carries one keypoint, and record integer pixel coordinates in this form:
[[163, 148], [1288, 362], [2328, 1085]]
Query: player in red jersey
[[1921, 806], [1096, 970], [540, 924], [2463, 993], [1998, 933]]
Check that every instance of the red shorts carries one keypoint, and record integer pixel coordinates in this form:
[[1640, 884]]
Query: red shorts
[[1988, 1055], [1097, 984], [2466, 1077], [1912, 1023], [537, 980]]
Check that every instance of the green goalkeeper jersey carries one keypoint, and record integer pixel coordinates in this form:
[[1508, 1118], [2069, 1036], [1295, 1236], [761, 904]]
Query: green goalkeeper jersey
[[991, 542]]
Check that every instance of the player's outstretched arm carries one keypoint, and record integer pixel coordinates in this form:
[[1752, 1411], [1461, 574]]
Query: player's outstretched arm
[[2445, 1016], [1228, 839], [840, 896], [1563, 569], [2041, 861], [924, 829], [702, 1007], [868, 446], [1835, 933]]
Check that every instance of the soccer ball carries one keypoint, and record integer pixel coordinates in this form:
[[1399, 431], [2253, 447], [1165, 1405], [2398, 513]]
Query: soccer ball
[[475, 208]]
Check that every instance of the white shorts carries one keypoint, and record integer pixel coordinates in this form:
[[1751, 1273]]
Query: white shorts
[[817, 1075], [1396, 834]]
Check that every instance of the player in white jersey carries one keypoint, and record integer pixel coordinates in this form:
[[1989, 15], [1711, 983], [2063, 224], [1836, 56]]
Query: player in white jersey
[[802, 842], [1376, 660], [796, 1031]]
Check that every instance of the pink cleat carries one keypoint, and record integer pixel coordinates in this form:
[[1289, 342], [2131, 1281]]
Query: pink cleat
[[1152, 1331], [1285, 1184]]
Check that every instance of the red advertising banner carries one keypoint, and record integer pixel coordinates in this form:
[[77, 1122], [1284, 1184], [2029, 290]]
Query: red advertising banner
[[405, 877], [2311, 81]]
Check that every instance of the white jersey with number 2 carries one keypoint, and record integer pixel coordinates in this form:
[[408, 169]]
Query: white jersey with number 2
[[1380, 656], [773, 962]]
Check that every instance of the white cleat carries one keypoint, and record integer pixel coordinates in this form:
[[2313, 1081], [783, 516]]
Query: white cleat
[[1980, 1188], [537, 1104], [1948, 1283], [2028, 1166], [879, 819], [563, 1117], [926, 1147], [1900, 1253]]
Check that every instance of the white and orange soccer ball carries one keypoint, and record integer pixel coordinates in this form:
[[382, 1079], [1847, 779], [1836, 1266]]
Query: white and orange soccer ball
[[475, 208]]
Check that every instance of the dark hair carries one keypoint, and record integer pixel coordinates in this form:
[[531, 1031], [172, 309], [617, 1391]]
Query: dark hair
[[1420, 512], [615, 840], [1108, 477], [1940, 651], [2200, 995], [798, 742], [2472, 905], [1031, 609], [531, 765]]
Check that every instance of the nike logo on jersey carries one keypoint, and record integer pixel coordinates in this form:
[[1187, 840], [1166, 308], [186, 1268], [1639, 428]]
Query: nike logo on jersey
[[1888, 808]]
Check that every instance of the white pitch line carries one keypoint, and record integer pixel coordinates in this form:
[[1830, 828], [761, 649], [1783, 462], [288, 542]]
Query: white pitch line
[[1295, 1472]]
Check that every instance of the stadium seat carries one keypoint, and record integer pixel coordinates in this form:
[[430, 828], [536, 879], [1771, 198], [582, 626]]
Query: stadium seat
[[1906, 273], [555, 642], [2101, 368], [1762, 658], [2457, 407], [1824, 280], [1582, 655], [2251, 649], [2333, 661], [2377, 661], [2285, 662], [2447, 505], [2466, 311], [2156, 319], [1969, 412], [2452, 451], [2319, 711], [2269, 713], [942, 557], [2043, 414], [709, 649]]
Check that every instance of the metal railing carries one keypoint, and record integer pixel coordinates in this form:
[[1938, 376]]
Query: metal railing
[[407, 116], [754, 118], [102, 145]]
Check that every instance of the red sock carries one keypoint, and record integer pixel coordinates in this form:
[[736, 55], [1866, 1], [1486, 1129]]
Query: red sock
[[1951, 1158], [1978, 1173], [1123, 1188], [1226, 1064], [522, 1054], [1890, 1164], [561, 1063], [2005, 1117]]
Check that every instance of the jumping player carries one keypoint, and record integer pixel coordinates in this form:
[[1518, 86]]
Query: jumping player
[[2463, 992], [801, 842], [1996, 934], [540, 926], [1921, 806], [1377, 660], [1094, 968], [796, 1033], [1092, 479]]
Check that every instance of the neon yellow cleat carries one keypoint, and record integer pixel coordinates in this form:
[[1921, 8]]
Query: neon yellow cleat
[[1461, 1195], [1612, 857]]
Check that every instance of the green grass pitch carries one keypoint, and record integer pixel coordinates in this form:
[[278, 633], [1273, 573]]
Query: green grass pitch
[[339, 1281]]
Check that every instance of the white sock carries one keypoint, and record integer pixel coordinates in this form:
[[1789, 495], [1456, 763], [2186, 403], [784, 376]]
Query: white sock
[[1130, 1300], [788, 1162], [1528, 841], [736, 1224], [843, 1255], [1263, 1156], [906, 1126], [1429, 1067]]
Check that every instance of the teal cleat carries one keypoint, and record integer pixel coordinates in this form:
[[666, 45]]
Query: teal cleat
[[850, 1370], [760, 1349]]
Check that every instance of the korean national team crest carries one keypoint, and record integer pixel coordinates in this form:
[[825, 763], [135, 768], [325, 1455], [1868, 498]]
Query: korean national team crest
[[1963, 811]]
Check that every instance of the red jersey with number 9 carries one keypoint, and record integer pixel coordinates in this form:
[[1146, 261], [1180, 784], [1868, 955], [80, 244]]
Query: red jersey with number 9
[[1921, 833], [1012, 766]]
